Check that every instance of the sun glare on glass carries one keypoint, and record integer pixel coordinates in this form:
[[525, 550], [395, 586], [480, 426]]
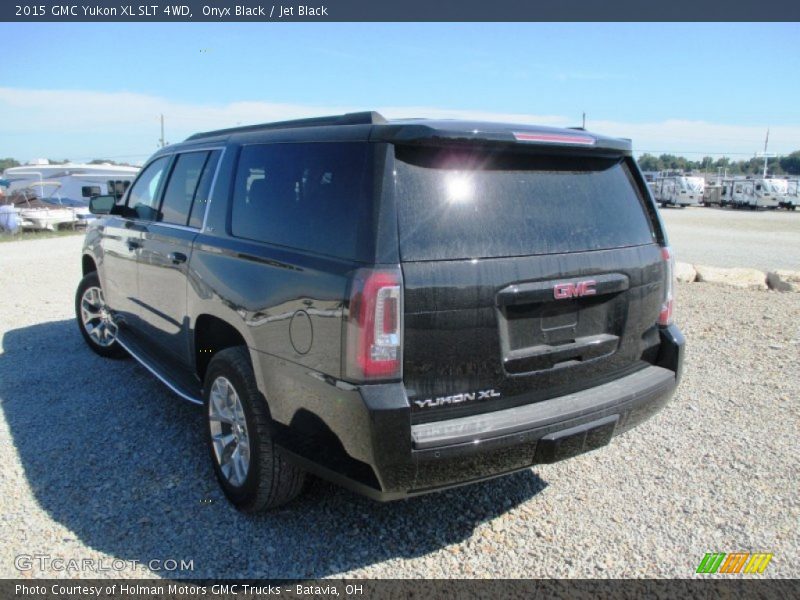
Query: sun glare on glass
[[459, 188]]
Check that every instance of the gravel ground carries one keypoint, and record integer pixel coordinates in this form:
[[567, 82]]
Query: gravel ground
[[101, 461], [765, 240]]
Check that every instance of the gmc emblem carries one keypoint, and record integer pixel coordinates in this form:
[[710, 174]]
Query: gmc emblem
[[562, 291]]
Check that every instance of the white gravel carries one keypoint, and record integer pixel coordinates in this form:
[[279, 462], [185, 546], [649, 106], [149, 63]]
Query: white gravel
[[101, 461], [764, 240]]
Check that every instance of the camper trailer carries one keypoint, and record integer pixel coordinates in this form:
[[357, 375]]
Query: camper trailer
[[792, 199], [70, 183], [726, 192], [758, 193], [679, 190]]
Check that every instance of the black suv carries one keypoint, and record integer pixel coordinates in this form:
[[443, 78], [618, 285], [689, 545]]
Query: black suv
[[398, 306]]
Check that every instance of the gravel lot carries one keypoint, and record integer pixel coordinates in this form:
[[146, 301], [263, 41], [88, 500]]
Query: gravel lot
[[101, 461], [719, 237]]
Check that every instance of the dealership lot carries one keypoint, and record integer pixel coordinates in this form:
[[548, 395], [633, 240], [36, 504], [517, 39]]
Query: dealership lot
[[724, 237], [102, 462]]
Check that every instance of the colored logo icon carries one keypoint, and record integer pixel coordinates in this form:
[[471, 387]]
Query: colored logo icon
[[735, 562]]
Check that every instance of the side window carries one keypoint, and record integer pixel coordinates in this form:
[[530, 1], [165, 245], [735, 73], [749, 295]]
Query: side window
[[181, 188], [310, 196], [201, 196], [118, 187], [89, 191], [143, 199]]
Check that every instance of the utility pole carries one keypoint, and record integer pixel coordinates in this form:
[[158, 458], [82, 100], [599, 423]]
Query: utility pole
[[161, 141], [584, 121], [766, 154]]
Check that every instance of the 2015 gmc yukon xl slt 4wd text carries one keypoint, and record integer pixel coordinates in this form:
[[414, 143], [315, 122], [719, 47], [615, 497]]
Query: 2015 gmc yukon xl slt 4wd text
[[398, 306]]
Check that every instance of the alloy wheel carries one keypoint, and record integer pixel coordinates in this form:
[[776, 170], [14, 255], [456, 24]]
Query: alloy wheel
[[229, 434], [96, 318]]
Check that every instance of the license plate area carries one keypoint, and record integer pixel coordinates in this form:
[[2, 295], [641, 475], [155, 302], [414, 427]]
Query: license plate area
[[540, 331]]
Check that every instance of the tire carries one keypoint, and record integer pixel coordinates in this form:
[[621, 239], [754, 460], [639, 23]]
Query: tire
[[267, 480], [95, 321]]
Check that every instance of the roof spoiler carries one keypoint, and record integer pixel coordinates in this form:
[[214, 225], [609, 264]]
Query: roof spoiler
[[356, 118]]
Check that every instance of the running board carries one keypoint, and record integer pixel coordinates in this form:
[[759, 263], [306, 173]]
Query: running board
[[183, 388]]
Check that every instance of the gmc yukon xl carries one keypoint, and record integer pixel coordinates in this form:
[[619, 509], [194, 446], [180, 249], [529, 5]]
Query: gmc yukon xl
[[398, 306]]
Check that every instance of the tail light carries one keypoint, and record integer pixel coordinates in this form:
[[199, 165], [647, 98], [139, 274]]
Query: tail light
[[373, 334], [665, 317]]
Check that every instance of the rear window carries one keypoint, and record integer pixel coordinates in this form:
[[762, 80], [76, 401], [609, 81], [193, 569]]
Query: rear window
[[456, 204], [309, 196]]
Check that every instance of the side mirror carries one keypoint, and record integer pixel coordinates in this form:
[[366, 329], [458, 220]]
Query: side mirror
[[102, 205]]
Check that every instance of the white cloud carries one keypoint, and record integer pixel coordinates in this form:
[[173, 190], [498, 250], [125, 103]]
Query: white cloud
[[86, 124]]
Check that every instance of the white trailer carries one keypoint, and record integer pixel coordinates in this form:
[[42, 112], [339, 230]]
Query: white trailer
[[77, 183], [679, 190], [758, 193], [792, 200], [726, 192]]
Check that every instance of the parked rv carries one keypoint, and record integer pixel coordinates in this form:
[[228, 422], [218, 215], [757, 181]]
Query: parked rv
[[75, 181], [758, 193], [64, 191], [679, 190], [792, 199]]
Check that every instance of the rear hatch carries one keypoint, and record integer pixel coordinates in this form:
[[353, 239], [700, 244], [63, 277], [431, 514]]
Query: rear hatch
[[525, 276]]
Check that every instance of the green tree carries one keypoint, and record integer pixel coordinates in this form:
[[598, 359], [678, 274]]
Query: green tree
[[791, 163], [7, 163], [648, 162], [707, 164]]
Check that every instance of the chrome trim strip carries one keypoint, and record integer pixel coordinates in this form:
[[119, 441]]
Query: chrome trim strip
[[213, 188], [171, 226], [160, 377]]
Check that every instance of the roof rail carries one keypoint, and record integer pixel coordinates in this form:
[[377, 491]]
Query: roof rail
[[357, 118]]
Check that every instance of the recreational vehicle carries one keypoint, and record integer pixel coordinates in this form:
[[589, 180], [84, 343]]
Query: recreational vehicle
[[75, 181], [679, 190], [758, 193], [792, 199]]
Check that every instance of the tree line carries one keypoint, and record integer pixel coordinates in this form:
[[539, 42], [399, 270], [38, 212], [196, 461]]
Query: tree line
[[779, 165]]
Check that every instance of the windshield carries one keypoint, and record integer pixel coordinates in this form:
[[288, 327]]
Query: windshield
[[456, 204], [693, 184], [776, 186]]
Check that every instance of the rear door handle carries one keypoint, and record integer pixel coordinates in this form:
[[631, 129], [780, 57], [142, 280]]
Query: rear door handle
[[177, 257], [544, 291]]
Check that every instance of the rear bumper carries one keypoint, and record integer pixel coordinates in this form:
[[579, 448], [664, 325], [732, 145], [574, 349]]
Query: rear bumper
[[397, 459]]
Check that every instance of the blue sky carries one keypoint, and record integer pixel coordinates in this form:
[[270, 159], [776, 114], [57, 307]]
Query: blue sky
[[96, 90]]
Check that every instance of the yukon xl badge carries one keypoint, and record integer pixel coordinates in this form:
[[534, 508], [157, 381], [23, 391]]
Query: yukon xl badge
[[456, 399]]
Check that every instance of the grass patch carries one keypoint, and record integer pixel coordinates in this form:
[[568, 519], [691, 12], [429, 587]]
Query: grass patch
[[38, 235]]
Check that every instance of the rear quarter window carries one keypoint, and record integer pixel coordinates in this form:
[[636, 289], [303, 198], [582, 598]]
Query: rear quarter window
[[308, 196], [457, 204]]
